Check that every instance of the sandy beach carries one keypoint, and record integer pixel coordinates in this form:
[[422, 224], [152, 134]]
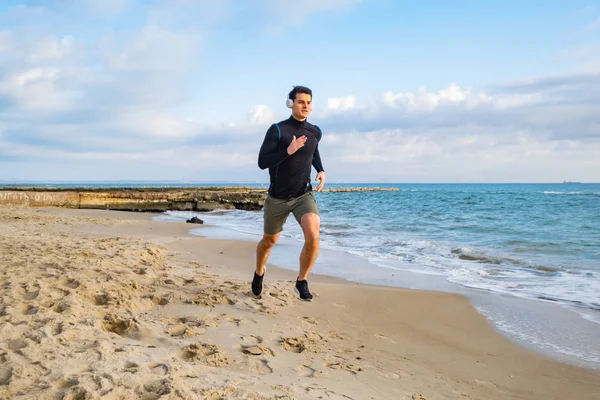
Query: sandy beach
[[112, 305]]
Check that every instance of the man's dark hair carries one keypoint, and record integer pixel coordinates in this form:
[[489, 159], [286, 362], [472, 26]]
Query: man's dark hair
[[299, 89]]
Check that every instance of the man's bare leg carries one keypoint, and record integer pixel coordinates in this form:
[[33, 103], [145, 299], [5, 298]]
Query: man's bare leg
[[262, 254], [263, 249], [311, 224]]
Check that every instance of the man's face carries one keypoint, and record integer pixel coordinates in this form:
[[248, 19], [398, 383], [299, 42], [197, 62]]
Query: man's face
[[302, 106]]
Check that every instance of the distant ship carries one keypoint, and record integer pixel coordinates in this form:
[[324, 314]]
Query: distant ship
[[570, 182]]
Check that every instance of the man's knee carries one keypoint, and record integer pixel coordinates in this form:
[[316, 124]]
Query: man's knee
[[311, 225], [269, 241]]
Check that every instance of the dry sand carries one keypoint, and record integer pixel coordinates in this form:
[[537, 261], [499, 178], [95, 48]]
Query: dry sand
[[110, 305]]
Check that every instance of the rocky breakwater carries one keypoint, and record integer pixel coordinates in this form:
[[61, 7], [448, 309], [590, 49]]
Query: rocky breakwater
[[137, 199]]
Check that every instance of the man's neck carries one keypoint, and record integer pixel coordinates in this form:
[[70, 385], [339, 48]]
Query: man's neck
[[298, 119]]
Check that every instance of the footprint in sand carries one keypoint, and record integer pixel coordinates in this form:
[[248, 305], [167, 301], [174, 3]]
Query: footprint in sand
[[101, 299], [58, 307], [154, 390], [16, 344], [342, 364], [337, 336], [306, 372], [30, 291], [131, 367], [208, 354], [235, 321], [211, 297], [190, 281], [485, 383], [259, 305], [311, 342], [281, 296], [5, 375], [196, 321], [75, 392], [161, 300], [71, 283], [293, 344], [196, 264], [231, 285], [383, 337], [251, 340], [259, 366], [57, 329], [158, 368], [163, 282], [29, 309], [181, 331], [309, 320], [85, 385], [391, 375], [324, 393], [121, 325], [257, 350], [257, 354]]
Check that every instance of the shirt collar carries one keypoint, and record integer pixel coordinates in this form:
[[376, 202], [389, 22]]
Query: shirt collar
[[295, 121]]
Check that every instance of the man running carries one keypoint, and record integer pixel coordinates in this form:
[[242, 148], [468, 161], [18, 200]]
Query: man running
[[289, 149]]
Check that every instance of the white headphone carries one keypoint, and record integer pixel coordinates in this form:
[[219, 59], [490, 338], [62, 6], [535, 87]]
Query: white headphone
[[289, 103]]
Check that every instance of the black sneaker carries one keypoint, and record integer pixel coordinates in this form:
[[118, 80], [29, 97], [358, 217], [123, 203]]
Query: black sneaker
[[302, 290], [257, 284]]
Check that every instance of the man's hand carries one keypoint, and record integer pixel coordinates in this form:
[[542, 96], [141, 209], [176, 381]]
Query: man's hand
[[320, 177], [296, 144]]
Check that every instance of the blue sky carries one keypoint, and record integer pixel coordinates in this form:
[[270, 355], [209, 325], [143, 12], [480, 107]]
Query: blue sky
[[404, 91]]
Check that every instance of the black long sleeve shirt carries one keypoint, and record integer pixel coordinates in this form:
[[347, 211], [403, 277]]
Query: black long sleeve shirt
[[290, 174]]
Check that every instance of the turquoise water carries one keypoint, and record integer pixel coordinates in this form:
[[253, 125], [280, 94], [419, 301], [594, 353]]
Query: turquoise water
[[529, 240]]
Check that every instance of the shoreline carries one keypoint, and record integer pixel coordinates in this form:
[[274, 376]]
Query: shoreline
[[505, 311], [418, 345]]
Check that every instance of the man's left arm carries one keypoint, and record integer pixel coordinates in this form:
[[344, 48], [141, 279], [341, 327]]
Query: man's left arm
[[316, 162]]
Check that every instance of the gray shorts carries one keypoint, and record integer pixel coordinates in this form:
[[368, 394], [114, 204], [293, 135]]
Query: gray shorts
[[276, 211]]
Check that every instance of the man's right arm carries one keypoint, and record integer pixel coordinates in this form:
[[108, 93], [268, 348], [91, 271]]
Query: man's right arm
[[268, 155]]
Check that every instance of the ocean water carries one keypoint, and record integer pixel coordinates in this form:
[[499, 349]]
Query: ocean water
[[528, 255]]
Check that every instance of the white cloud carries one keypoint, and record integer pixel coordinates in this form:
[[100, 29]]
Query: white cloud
[[341, 103], [476, 156], [156, 124], [5, 41], [428, 101], [37, 89], [152, 49], [50, 49], [262, 115], [126, 80], [541, 130]]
